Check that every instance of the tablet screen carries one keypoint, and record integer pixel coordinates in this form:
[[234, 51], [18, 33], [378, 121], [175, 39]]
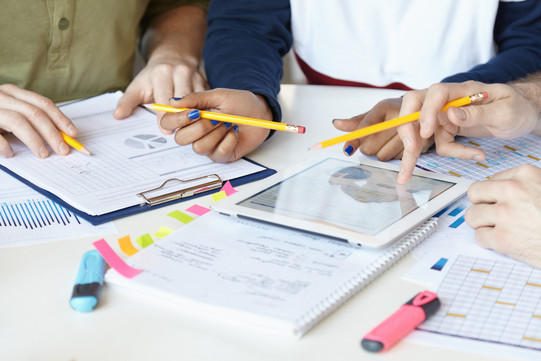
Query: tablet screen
[[357, 197]]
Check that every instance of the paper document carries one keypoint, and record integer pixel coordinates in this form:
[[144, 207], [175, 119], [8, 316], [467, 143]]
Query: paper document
[[130, 156], [28, 217]]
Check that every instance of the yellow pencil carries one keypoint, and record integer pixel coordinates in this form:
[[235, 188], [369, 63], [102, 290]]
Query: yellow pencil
[[359, 133], [75, 144], [233, 119]]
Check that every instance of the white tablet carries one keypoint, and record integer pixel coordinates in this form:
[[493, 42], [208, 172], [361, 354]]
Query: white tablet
[[357, 202]]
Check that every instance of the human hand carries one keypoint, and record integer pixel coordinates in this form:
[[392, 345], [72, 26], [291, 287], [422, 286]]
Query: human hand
[[221, 142], [506, 213], [506, 114], [384, 145], [35, 120], [160, 80]]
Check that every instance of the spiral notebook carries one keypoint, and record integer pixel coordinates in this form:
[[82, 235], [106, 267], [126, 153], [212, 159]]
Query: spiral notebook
[[257, 274]]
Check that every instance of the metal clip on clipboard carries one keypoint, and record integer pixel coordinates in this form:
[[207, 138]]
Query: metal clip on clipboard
[[192, 186]]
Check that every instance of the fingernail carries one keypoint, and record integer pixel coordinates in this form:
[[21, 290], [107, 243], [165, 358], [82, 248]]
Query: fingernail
[[236, 128], [72, 130], [64, 149], [43, 152], [214, 122], [461, 114], [9, 154], [478, 157], [348, 150], [227, 124], [194, 114], [174, 98]]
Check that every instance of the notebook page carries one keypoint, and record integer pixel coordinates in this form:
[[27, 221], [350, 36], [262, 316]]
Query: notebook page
[[254, 272], [130, 156]]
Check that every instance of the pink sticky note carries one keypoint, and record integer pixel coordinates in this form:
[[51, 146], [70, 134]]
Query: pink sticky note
[[228, 189], [198, 210], [114, 260]]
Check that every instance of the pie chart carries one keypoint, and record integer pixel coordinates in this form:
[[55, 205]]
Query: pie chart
[[145, 141]]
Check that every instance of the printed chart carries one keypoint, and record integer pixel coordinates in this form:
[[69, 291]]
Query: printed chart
[[501, 154], [28, 217], [489, 300]]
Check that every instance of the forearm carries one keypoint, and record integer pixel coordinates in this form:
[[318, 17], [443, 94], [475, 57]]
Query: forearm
[[244, 46], [530, 88], [176, 34]]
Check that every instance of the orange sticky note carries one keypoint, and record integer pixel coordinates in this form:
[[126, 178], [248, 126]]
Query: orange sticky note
[[126, 246]]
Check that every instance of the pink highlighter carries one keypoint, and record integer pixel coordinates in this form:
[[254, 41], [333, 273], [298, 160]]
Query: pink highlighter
[[402, 322]]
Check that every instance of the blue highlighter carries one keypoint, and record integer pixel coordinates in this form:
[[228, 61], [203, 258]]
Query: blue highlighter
[[88, 282]]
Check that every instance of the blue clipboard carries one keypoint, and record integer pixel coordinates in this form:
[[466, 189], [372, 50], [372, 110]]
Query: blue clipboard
[[144, 206]]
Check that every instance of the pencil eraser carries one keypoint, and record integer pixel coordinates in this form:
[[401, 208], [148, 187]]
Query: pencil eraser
[[302, 129], [485, 95]]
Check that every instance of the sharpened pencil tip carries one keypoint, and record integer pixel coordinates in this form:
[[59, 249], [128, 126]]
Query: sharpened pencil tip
[[148, 106], [86, 151], [314, 147]]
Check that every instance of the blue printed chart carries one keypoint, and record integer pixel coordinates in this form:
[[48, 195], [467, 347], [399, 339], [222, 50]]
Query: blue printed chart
[[490, 300], [28, 217], [501, 154]]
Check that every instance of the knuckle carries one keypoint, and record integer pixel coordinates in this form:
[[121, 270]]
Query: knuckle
[[163, 68]]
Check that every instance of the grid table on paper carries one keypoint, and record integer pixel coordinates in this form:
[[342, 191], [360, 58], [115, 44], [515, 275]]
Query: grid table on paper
[[491, 301]]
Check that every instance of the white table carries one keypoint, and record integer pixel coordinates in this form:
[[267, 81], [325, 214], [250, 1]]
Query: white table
[[36, 281]]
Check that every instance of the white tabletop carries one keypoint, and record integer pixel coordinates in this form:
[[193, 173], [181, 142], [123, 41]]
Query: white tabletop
[[36, 281]]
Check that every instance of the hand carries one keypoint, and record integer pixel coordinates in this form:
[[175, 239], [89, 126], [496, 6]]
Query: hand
[[160, 80], [384, 145], [506, 213], [35, 120], [221, 142], [506, 114]]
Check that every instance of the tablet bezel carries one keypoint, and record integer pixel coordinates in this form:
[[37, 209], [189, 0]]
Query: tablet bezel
[[395, 231]]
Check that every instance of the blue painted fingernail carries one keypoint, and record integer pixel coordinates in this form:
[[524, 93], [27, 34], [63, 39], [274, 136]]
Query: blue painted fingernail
[[174, 98], [236, 128], [227, 124], [348, 150], [194, 114], [214, 122]]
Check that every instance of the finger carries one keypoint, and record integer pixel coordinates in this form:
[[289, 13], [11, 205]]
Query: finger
[[5, 149], [128, 102], [412, 150], [199, 83], [351, 147], [225, 151], [207, 143], [484, 236], [372, 144], [32, 125], [480, 215], [54, 114], [172, 121], [195, 131], [22, 129], [391, 149], [437, 96], [483, 192], [447, 147], [348, 125]]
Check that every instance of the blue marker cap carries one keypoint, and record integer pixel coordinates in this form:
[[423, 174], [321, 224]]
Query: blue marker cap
[[88, 282]]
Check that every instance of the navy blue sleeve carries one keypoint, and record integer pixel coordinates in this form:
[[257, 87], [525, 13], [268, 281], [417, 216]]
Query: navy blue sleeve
[[517, 33], [244, 46]]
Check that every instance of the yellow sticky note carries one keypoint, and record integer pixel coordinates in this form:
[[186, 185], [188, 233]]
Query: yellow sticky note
[[162, 232], [145, 240], [181, 216], [218, 196], [126, 246]]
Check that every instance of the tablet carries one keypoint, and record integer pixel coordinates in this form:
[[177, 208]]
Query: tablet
[[359, 202]]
